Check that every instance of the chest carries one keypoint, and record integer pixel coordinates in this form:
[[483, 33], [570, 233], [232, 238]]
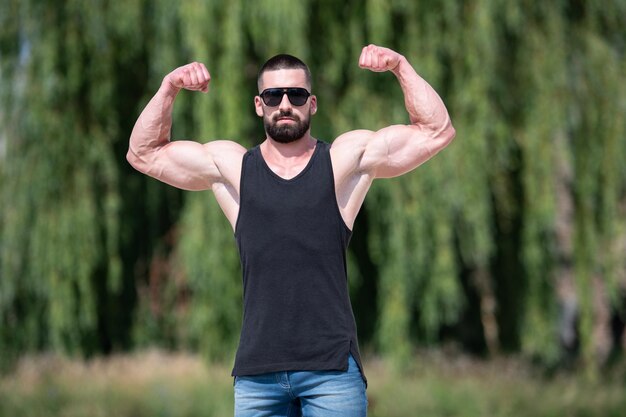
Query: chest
[[288, 168]]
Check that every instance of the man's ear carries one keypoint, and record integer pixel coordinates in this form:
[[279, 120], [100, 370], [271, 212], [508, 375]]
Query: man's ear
[[258, 106], [313, 104]]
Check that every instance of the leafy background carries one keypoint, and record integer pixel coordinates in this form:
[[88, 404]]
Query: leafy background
[[511, 241]]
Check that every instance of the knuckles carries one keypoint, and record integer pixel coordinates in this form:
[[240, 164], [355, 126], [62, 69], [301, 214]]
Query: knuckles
[[192, 76]]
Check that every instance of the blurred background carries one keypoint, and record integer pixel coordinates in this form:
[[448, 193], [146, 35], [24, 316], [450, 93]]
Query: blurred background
[[509, 243]]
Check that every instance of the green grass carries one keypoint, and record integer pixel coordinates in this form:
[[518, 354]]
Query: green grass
[[156, 384], [439, 386]]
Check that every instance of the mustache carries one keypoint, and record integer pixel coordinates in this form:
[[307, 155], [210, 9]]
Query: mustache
[[286, 114]]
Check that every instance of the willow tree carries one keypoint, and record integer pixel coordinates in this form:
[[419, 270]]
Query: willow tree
[[522, 216], [60, 223]]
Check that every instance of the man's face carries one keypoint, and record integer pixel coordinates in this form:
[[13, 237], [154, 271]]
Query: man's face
[[285, 122]]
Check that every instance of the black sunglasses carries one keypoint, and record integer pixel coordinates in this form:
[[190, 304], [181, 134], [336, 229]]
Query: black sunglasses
[[273, 96]]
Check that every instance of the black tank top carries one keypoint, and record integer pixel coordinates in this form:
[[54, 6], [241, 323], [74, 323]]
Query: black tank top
[[292, 242]]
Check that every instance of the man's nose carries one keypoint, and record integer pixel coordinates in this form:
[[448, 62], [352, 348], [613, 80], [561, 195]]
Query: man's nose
[[285, 104]]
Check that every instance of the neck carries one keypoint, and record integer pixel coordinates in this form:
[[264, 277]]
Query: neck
[[295, 149]]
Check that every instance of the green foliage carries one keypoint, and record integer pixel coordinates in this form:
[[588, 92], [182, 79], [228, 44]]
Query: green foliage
[[60, 217], [95, 257], [212, 322]]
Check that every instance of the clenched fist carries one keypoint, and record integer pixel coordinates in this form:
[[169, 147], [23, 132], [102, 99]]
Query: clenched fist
[[379, 59], [194, 77]]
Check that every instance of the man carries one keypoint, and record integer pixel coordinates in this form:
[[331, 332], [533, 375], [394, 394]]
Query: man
[[292, 202]]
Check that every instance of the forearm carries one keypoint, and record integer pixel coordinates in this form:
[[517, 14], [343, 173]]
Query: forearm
[[425, 107], [152, 129]]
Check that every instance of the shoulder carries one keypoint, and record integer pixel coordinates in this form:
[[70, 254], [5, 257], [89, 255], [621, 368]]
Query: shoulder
[[347, 151], [225, 151], [350, 146], [225, 146], [226, 156], [351, 139]]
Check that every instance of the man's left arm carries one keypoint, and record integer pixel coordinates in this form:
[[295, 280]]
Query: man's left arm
[[397, 149]]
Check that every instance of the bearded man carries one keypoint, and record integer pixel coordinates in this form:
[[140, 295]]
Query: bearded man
[[292, 202]]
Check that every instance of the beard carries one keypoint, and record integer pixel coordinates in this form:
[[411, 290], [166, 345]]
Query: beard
[[286, 132]]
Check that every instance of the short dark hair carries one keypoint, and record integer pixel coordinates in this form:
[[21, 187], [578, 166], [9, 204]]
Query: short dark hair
[[283, 61]]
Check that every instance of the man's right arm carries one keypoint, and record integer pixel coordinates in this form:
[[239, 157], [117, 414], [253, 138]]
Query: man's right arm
[[184, 164]]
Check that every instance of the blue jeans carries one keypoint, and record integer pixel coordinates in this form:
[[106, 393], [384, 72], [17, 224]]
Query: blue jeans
[[302, 393]]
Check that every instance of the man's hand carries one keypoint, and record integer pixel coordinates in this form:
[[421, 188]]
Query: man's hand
[[379, 59], [194, 77]]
